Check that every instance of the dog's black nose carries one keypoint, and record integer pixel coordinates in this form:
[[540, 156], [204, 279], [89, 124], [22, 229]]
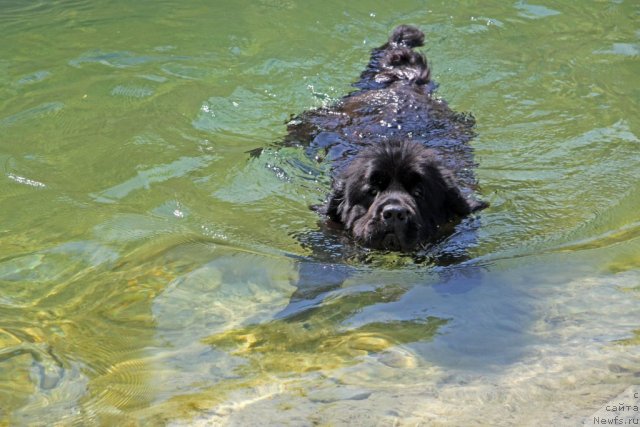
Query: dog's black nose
[[394, 214]]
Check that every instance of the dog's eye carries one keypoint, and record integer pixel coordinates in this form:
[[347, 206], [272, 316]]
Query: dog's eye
[[373, 191], [417, 192]]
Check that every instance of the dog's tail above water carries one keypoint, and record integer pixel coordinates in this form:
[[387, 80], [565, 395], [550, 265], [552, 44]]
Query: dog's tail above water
[[402, 63], [406, 35], [397, 61]]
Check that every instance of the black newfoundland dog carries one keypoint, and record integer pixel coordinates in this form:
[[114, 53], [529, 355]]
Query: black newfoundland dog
[[403, 169]]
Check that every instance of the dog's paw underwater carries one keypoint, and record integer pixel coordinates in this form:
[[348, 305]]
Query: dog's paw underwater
[[402, 165]]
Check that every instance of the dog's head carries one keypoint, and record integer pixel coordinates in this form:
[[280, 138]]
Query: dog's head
[[395, 195]]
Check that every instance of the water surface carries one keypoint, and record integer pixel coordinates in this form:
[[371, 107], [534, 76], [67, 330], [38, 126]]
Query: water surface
[[152, 271]]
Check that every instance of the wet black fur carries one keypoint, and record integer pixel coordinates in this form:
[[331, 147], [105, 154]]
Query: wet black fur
[[402, 165]]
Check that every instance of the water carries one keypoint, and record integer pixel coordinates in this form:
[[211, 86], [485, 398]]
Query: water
[[152, 272]]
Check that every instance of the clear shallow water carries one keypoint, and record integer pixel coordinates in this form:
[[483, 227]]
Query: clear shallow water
[[150, 270]]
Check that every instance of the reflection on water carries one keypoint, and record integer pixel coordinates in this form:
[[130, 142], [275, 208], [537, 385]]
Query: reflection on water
[[153, 271]]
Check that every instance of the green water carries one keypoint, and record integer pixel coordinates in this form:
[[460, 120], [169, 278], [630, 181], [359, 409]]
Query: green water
[[146, 259]]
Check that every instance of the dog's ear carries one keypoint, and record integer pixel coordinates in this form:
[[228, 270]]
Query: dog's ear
[[460, 205], [477, 205], [333, 207], [456, 202]]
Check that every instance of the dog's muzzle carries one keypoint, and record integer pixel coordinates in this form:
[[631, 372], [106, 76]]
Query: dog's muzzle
[[394, 217]]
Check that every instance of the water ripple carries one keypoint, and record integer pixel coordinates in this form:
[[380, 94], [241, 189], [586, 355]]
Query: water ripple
[[119, 59], [534, 11], [156, 174], [132, 91], [32, 113]]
